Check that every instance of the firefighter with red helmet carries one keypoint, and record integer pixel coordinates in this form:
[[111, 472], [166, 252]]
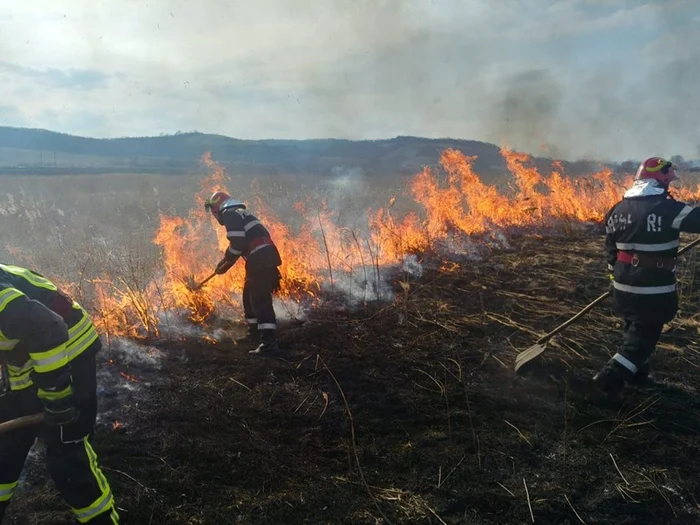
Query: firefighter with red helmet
[[641, 246], [248, 238]]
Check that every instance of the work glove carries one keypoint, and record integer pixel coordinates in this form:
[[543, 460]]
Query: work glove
[[60, 412], [611, 287], [224, 266], [59, 401]]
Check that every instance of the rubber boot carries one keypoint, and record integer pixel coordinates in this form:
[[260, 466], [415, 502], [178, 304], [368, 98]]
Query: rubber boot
[[644, 378], [268, 345], [609, 383]]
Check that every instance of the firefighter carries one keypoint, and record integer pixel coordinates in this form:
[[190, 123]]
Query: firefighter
[[248, 238], [47, 353], [641, 245]]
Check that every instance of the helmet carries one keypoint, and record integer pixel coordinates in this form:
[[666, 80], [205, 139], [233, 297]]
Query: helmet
[[661, 170], [214, 202], [220, 201]]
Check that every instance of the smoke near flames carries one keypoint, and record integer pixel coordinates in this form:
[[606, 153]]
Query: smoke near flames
[[327, 253]]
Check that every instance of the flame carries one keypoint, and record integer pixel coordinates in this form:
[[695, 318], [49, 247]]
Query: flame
[[448, 205], [116, 425], [129, 378]]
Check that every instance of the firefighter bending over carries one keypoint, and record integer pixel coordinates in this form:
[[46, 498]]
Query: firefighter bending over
[[641, 245], [47, 353], [248, 238]]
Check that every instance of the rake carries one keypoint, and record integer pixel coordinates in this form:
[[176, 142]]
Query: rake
[[541, 344], [191, 282]]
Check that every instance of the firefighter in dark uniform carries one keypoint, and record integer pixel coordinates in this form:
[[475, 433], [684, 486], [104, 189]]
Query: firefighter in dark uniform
[[248, 238], [641, 246], [47, 352]]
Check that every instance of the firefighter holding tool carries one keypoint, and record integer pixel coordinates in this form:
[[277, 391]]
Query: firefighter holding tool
[[641, 246], [248, 238]]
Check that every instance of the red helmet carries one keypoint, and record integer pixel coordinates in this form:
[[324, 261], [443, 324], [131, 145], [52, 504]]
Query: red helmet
[[658, 169], [214, 202]]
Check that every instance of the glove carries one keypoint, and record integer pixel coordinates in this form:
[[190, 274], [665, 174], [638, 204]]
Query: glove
[[612, 286], [61, 412], [224, 266]]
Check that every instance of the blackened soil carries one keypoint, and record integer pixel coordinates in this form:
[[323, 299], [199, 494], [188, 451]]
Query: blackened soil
[[411, 413]]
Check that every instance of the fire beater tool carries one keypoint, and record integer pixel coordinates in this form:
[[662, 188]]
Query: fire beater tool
[[192, 284], [21, 422], [540, 345]]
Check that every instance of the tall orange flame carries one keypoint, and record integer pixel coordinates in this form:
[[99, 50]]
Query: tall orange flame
[[321, 252]]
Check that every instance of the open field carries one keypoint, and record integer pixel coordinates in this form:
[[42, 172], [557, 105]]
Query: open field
[[401, 410]]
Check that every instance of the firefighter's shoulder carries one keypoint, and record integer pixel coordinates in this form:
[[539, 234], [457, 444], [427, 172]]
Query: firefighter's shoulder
[[683, 216]]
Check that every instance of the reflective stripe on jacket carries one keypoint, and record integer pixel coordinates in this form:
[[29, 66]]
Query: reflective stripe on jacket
[[41, 329]]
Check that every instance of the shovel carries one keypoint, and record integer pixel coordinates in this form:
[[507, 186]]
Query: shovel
[[21, 422], [541, 344], [192, 284]]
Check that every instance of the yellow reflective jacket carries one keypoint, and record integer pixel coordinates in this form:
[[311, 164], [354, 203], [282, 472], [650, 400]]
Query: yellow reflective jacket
[[41, 330]]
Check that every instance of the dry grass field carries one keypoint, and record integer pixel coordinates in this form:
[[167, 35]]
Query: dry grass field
[[402, 410]]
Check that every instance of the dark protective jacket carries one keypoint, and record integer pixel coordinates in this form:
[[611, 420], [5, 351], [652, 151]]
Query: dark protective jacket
[[647, 222], [248, 238], [41, 331]]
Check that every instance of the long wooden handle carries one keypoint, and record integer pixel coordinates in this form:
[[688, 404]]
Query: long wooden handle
[[573, 319], [21, 422], [689, 246], [205, 281], [598, 300]]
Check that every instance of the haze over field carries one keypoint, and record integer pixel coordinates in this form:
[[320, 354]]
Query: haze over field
[[604, 79], [435, 175]]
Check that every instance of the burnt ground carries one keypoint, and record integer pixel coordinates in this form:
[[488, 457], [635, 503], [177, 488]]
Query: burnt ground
[[411, 413]]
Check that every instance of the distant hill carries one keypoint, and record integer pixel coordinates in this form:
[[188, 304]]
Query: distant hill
[[24, 150]]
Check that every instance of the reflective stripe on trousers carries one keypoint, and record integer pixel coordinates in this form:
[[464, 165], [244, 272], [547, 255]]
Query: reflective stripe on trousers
[[6, 491], [106, 501]]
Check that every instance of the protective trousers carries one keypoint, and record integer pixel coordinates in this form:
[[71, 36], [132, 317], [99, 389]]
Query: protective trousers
[[639, 342], [260, 283], [71, 460]]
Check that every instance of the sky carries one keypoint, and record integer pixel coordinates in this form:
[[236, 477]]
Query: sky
[[597, 79]]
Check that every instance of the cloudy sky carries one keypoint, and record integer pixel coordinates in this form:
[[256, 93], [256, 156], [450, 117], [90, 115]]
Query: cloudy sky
[[609, 79]]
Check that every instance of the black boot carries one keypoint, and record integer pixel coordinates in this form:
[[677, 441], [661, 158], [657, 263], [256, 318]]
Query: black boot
[[644, 378], [610, 381], [268, 345]]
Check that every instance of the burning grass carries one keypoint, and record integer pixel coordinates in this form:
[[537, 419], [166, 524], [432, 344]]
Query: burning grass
[[327, 250], [134, 273]]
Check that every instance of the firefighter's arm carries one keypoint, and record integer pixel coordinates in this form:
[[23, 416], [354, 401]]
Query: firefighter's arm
[[43, 334], [687, 219], [235, 233], [610, 244]]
